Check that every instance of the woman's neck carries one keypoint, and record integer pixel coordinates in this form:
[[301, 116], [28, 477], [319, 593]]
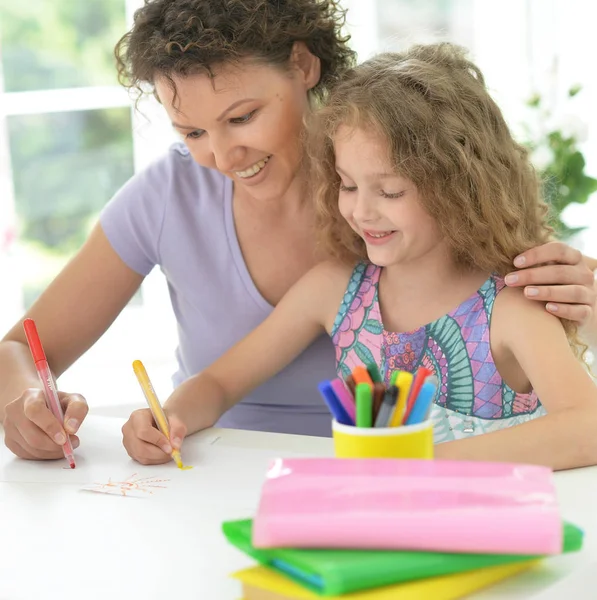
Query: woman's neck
[[293, 202]]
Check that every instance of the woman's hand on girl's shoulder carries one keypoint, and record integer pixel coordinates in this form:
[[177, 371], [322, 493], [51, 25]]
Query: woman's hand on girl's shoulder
[[560, 276]]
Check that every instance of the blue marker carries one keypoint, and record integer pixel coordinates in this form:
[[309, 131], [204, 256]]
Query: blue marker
[[338, 411], [423, 402]]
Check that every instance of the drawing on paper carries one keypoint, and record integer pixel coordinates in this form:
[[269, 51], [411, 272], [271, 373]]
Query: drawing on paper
[[132, 486]]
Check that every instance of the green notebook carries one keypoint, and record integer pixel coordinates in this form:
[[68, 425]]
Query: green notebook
[[336, 572]]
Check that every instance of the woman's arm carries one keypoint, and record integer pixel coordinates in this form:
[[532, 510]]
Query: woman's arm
[[306, 311], [565, 437], [71, 314]]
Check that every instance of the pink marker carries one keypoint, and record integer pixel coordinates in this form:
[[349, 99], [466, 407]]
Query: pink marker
[[345, 397], [47, 380]]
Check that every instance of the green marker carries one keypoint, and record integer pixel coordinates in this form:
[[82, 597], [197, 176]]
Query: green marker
[[364, 405], [374, 373], [394, 377]]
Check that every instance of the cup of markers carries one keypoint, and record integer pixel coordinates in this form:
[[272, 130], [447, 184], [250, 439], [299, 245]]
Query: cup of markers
[[371, 420]]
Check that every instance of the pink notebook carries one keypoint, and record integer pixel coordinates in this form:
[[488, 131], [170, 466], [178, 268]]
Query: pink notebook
[[444, 506]]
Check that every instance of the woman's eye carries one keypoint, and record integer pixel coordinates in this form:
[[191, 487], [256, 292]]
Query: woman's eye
[[244, 118], [347, 188], [194, 135]]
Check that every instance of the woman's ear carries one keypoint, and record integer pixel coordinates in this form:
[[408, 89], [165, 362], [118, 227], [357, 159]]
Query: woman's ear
[[307, 64]]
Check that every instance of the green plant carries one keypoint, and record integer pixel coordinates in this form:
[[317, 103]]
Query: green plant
[[560, 163]]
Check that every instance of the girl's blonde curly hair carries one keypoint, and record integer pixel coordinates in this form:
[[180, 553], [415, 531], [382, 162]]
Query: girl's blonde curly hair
[[430, 107]]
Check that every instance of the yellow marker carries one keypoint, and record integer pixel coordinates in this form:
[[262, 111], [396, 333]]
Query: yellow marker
[[402, 381], [156, 408]]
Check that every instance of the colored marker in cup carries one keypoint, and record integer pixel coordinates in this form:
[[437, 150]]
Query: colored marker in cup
[[364, 405], [423, 402]]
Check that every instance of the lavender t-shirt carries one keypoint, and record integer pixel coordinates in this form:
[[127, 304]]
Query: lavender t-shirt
[[178, 215]]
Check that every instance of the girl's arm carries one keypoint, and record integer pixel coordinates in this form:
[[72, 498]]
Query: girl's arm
[[564, 438], [305, 312]]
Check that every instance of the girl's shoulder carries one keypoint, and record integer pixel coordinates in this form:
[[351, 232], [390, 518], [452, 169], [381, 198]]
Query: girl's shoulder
[[323, 288], [515, 315], [330, 275]]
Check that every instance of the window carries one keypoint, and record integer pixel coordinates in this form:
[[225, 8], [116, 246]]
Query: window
[[66, 130], [69, 138]]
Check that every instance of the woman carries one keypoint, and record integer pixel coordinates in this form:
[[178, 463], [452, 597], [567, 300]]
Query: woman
[[224, 215]]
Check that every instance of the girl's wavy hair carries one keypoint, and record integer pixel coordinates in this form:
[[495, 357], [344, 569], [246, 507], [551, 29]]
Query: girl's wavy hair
[[430, 107], [185, 37]]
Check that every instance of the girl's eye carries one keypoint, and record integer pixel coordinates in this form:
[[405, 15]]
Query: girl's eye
[[388, 195], [194, 135], [244, 119], [346, 188]]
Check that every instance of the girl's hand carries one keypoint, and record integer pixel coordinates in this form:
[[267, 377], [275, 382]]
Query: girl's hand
[[145, 443], [32, 432], [559, 275]]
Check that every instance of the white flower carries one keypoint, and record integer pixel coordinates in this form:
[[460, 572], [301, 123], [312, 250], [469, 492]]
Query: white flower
[[542, 157]]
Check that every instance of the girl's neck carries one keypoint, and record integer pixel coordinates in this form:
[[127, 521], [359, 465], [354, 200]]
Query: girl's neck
[[414, 294]]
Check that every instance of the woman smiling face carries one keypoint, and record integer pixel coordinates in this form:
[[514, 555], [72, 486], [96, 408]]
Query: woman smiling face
[[246, 121]]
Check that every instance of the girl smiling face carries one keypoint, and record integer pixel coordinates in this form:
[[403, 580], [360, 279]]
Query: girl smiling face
[[382, 207]]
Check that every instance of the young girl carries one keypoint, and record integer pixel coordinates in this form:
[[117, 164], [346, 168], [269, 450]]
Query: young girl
[[422, 187]]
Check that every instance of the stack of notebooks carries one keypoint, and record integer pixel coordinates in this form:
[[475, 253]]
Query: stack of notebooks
[[397, 529]]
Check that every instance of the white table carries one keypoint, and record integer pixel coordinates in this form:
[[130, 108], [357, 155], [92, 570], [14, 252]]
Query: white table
[[57, 541]]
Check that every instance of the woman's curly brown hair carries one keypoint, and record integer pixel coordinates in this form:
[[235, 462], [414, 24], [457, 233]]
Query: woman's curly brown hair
[[429, 105], [184, 37]]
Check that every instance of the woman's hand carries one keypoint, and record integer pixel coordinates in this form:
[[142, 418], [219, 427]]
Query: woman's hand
[[559, 275], [32, 432], [145, 443]]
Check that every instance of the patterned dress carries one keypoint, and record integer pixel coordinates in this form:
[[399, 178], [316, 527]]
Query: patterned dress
[[472, 397]]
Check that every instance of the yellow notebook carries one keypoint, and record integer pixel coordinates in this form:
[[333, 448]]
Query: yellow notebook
[[260, 583]]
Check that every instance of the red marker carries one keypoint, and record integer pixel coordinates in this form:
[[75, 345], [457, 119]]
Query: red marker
[[47, 380]]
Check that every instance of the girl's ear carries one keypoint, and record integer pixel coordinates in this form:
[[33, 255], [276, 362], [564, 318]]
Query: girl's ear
[[307, 64]]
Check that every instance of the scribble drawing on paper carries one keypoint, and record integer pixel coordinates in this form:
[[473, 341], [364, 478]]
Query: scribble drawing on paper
[[132, 486]]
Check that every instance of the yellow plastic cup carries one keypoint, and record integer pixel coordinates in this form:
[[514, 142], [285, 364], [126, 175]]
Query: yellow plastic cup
[[405, 441]]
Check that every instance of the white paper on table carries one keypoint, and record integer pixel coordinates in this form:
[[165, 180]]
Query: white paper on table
[[134, 486], [103, 466]]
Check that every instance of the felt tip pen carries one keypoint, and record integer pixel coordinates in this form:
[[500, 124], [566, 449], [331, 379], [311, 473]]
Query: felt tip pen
[[379, 389], [374, 373], [419, 379], [345, 398], [387, 407], [338, 411], [403, 381], [155, 407], [48, 382], [423, 402], [361, 375], [364, 404]]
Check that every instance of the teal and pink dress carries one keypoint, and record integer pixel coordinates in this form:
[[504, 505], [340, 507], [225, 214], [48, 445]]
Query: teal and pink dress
[[472, 397]]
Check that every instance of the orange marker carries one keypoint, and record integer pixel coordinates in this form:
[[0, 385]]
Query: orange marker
[[361, 375]]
